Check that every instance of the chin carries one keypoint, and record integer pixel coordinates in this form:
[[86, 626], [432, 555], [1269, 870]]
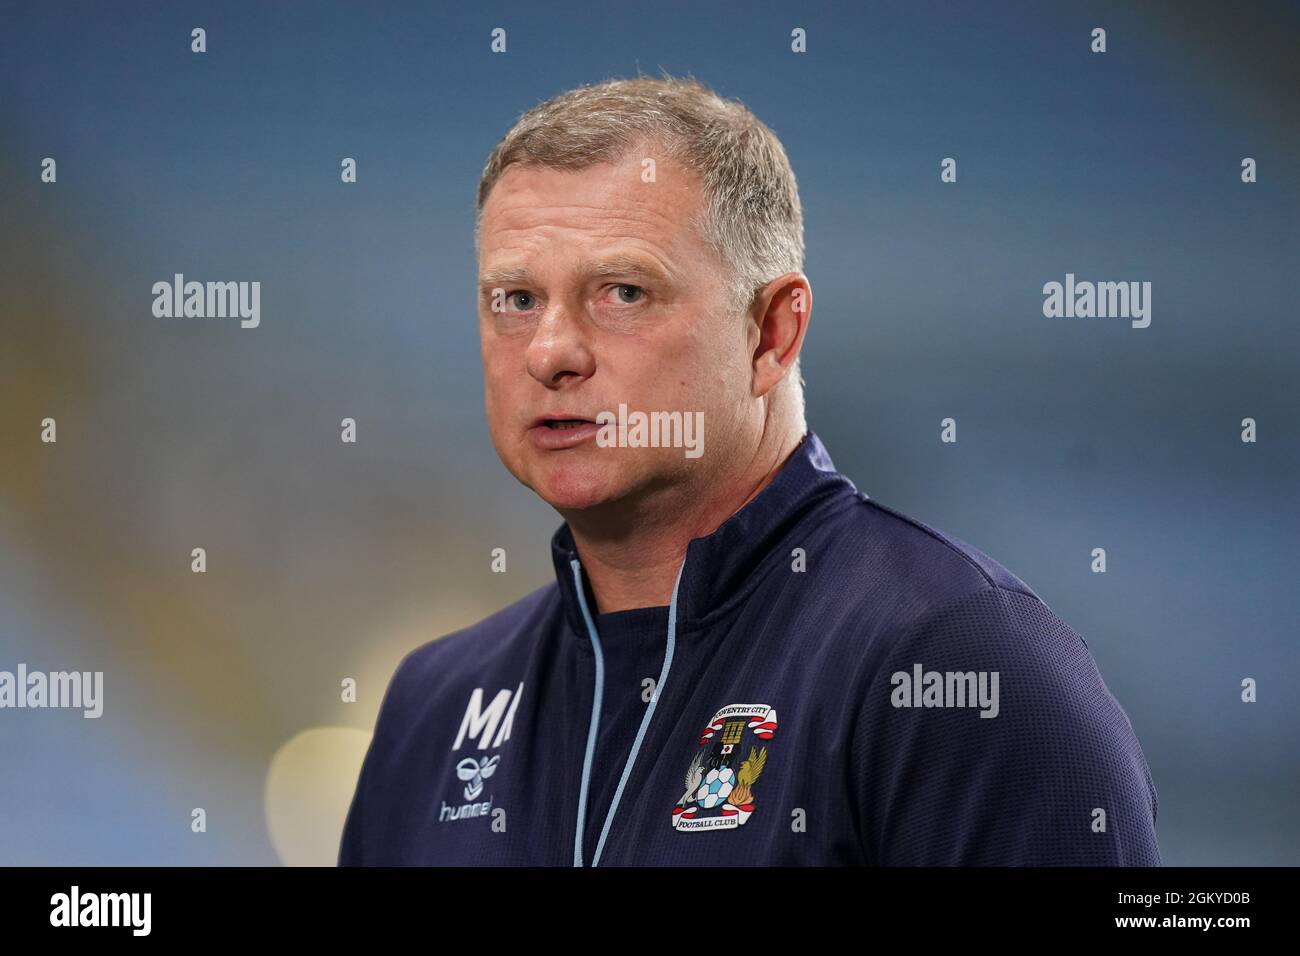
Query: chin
[[574, 485], [570, 489]]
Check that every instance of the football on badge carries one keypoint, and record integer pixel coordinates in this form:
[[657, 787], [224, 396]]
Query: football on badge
[[717, 786]]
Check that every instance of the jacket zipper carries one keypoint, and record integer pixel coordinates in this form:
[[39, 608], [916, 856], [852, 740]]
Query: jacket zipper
[[595, 714]]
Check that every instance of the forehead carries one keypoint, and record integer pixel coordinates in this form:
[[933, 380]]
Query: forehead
[[533, 210]]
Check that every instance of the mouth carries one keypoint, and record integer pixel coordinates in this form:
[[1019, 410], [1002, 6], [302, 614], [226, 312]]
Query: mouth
[[561, 422], [554, 432]]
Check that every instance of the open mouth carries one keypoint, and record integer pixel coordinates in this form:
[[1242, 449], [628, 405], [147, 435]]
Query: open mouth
[[558, 432]]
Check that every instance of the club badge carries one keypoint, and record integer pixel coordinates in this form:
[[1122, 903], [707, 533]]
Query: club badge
[[729, 762]]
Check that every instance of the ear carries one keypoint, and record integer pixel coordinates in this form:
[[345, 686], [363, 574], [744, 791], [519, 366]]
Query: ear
[[780, 317]]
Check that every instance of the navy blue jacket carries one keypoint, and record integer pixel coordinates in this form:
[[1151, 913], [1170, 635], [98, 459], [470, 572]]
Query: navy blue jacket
[[833, 683]]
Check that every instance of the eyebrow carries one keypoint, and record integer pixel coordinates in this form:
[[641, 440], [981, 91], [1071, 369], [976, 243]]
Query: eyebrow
[[620, 265]]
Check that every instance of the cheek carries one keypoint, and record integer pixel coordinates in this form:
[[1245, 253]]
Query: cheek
[[679, 377], [497, 401], [714, 367], [499, 374]]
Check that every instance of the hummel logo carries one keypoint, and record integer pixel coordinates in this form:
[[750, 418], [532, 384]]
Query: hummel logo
[[476, 770]]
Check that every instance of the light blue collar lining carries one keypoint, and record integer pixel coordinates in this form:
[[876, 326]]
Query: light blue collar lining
[[595, 714]]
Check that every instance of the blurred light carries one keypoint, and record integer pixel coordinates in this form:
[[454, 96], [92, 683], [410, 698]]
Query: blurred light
[[309, 787]]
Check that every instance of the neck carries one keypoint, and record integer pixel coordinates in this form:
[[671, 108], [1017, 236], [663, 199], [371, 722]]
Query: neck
[[632, 557]]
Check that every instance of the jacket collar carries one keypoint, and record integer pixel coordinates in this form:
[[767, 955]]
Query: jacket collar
[[720, 567]]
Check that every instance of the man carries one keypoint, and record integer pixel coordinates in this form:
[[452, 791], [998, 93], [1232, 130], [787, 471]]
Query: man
[[743, 659]]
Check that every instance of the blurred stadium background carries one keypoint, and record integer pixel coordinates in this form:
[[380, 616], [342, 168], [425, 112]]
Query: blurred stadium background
[[327, 560]]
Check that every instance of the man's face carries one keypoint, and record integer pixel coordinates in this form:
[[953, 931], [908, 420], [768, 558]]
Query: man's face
[[606, 295]]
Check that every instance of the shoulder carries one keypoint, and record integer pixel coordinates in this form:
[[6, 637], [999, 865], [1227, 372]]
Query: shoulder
[[941, 618], [1023, 746], [938, 551], [887, 569], [942, 601]]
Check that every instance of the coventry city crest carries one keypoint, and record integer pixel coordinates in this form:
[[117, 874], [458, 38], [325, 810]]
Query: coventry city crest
[[720, 780]]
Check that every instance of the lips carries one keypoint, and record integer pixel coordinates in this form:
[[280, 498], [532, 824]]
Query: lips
[[562, 430], [561, 422]]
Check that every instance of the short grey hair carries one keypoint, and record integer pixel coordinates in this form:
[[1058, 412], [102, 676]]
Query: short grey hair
[[749, 214]]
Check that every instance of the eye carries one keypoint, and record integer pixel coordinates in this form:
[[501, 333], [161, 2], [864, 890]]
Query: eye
[[638, 293], [527, 298]]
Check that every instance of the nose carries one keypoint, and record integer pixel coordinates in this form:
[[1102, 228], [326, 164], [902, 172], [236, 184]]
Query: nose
[[558, 352]]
